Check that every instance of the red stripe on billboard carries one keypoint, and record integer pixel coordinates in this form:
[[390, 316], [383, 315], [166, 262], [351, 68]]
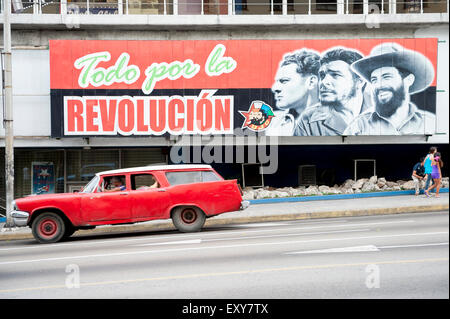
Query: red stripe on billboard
[[191, 64]]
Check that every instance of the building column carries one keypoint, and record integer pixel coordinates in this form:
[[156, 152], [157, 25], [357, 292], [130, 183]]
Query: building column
[[119, 7], [63, 7], [393, 7], [340, 7]]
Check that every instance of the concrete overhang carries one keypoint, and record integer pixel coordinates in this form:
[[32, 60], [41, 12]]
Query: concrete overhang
[[198, 22]]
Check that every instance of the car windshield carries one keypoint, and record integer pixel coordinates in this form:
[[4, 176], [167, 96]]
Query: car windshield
[[90, 187]]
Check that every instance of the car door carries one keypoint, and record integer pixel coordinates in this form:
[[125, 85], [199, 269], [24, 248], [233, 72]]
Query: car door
[[148, 202], [106, 205]]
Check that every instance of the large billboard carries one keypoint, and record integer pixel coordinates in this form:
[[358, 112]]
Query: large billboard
[[271, 87]]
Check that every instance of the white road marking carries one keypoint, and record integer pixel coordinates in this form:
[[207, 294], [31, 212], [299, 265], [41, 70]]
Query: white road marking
[[416, 245], [337, 250], [289, 235], [176, 236], [273, 236], [360, 249], [314, 221], [211, 247], [180, 242], [260, 225]]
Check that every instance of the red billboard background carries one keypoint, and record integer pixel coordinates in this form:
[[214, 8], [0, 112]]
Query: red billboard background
[[257, 60]]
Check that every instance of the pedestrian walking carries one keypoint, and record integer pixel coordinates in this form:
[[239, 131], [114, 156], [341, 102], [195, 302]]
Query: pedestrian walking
[[435, 174], [418, 174], [428, 168]]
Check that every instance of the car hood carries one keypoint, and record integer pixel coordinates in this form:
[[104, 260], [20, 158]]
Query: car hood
[[47, 197]]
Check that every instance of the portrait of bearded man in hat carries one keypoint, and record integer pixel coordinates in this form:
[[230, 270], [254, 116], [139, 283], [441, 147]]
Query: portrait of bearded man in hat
[[394, 74]]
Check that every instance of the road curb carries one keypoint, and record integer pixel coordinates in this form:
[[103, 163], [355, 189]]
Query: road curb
[[219, 220]]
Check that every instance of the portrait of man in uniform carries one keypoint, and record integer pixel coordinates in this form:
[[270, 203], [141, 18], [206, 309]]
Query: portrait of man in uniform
[[341, 95]]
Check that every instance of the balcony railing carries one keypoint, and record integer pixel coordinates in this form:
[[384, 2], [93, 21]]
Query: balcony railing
[[227, 7]]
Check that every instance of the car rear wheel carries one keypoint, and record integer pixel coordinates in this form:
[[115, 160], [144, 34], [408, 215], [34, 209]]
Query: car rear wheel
[[188, 219], [48, 228]]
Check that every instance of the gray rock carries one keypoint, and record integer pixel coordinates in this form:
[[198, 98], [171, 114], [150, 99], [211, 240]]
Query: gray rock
[[277, 193], [324, 189], [336, 190], [391, 184], [381, 182], [369, 187], [298, 191], [248, 195], [312, 190], [348, 184], [373, 179], [347, 191], [263, 193], [359, 183], [288, 190], [408, 185]]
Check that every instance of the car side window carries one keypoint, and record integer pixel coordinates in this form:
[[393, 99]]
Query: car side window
[[143, 181], [113, 184], [179, 178], [209, 176]]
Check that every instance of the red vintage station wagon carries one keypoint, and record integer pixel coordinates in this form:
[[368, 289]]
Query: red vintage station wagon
[[188, 194]]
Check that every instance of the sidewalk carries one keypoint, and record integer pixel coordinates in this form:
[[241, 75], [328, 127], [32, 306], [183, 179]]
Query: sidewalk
[[283, 209]]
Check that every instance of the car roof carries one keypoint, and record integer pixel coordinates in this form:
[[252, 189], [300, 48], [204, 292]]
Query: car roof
[[155, 168]]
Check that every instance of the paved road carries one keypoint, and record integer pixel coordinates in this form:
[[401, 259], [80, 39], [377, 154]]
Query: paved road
[[390, 256]]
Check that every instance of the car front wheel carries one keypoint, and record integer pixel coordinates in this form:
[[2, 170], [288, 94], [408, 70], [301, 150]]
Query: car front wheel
[[48, 228], [188, 219]]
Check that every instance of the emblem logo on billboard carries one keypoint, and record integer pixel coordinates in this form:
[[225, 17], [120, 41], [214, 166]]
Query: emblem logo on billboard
[[258, 117]]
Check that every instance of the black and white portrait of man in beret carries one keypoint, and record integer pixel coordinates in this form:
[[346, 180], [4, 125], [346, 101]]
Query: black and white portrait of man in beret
[[341, 95]]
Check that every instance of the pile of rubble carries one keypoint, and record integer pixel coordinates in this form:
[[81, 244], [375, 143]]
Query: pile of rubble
[[364, 185]]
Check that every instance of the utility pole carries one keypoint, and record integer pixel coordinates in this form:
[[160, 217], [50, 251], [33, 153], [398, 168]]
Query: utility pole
[[8, 111]]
